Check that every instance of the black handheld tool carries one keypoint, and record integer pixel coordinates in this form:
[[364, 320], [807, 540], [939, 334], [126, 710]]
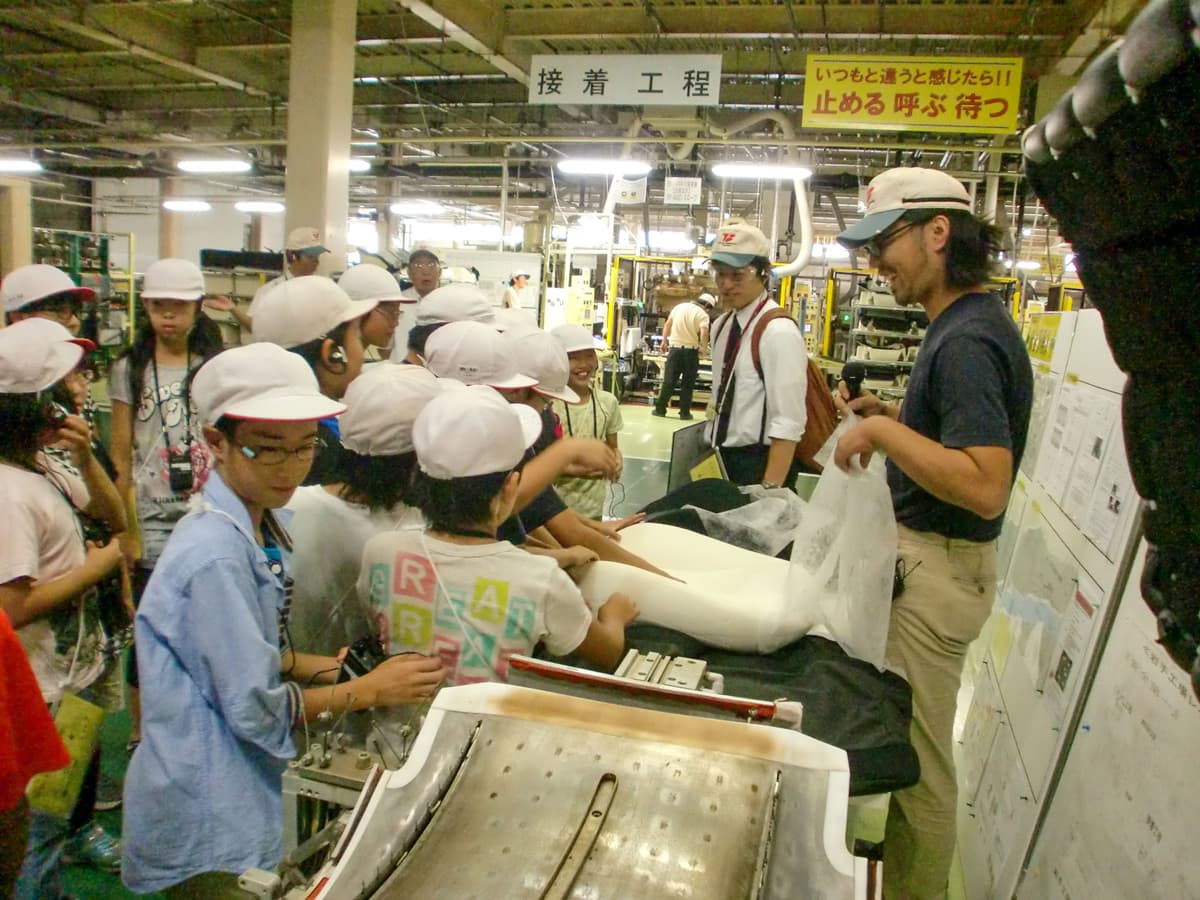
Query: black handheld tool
[[853, 374]]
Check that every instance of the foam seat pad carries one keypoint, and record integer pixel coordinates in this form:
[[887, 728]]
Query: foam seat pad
[[725, 596]]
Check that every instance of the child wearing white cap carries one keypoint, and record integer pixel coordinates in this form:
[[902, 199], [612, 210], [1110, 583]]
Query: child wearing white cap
[[388, 323], [203, 792], [318, 321], [333, 522], [475, 354], [47, 572], [596, 414], [157, 449], [42, 291], [458, 302], [454, 589]]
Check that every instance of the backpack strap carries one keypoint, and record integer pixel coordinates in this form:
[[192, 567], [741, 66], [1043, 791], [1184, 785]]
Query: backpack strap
[[821, 418]]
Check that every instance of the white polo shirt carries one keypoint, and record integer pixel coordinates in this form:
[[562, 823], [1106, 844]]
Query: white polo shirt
[[689, 326]]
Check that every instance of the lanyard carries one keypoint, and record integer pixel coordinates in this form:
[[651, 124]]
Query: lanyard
[[727, 372], [595, 425], [187, 402]]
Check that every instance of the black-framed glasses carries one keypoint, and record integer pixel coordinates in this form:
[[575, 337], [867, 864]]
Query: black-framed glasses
[[876, 245], [277, 456], [63, 306]]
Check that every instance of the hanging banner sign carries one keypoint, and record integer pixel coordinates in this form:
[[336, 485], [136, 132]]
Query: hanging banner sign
[[978, 95], [628, 190], [626, 79], [681, 191]]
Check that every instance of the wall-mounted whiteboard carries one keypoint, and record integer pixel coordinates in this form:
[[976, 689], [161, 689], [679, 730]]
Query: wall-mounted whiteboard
[[1125, 817]]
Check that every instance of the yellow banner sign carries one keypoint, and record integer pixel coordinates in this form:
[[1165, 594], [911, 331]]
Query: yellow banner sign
[[979, 95]]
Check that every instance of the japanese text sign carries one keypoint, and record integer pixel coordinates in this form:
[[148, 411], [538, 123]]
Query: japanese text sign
[[979, 95], [626, 79], [681, 191]]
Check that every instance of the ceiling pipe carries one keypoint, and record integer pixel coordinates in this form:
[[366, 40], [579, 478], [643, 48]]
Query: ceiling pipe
[[803, 202]]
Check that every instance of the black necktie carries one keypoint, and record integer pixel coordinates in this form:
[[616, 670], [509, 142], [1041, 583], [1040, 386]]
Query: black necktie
[[725, 389]]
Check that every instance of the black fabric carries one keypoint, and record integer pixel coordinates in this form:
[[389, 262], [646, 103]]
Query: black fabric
[[847, 703], [683, 366], [544, 507], [512, 530], [715, 494], [326, 468], [972, 386], [1119, 199], [747, 465]]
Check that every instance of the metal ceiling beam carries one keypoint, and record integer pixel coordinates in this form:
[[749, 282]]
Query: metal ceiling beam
[[733, 21], [50, 104], [144, 52], [473, 25]]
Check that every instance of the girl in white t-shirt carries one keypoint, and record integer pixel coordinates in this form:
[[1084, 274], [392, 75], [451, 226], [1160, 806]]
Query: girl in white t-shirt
[[47, 570], [372, 494], [454, 590]]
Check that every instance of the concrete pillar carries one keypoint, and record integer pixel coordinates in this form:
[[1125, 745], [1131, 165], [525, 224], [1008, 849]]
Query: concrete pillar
[[321, 94], [170, 224], [16, 224]]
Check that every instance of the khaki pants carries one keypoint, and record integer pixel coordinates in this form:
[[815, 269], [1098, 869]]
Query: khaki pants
[[945, 603], [208, 886]]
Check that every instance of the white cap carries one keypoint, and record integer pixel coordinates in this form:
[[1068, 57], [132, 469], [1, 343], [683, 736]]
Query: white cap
[[513, 318], [542, 357], [262, 382], [474, 431], [707, 299], [738, 243], [36, 354], [306, 240], [519, 274], [173, 279], [456, 303], [473, 354], [303, 309], [381, 405], [893, 193], [369, 282], [574, 338], [29, 284]]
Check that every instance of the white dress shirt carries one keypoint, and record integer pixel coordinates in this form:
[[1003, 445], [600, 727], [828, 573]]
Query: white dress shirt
[[785, 370], [408, 318]]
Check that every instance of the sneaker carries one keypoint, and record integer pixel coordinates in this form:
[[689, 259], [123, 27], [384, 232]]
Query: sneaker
[[108, 794], [93, 846]]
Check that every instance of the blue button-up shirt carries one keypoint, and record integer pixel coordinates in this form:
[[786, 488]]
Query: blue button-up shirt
[[203, 791]]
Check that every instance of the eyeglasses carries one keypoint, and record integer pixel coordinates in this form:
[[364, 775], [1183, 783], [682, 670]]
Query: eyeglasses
[[389, 310], [734, 275], [277, 456], [68, 307], [423, 266], [876, 245]]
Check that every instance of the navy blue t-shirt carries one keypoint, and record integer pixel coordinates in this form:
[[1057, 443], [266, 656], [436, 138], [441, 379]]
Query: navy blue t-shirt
[[971, 386]]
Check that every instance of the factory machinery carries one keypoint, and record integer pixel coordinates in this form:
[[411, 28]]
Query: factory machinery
[[567, 783]]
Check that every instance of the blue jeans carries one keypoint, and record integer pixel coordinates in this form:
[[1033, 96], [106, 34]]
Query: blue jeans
[[41, 875]]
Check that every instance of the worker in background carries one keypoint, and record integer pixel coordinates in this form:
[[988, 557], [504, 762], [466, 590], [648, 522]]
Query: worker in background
[[952, 451], [757, 409], [301, 255], [512, 293], [685, 338], [425, 273], [41, 291]]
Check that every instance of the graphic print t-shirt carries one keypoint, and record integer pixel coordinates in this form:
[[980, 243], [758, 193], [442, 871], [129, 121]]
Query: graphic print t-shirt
[[473, 605], [158, 507]]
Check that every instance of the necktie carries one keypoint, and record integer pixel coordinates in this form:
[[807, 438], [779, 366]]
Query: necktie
[[725, 389]]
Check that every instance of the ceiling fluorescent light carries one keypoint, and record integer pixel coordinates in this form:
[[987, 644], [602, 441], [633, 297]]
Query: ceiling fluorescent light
[[258, 206], [627, 168], [760, 173], [417, 208], [358, 164], [1029, 265], [213, 166], [187, 205], [19, 166]]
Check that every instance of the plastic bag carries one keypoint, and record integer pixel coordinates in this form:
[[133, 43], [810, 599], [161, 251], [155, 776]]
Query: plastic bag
[[844, 557]]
